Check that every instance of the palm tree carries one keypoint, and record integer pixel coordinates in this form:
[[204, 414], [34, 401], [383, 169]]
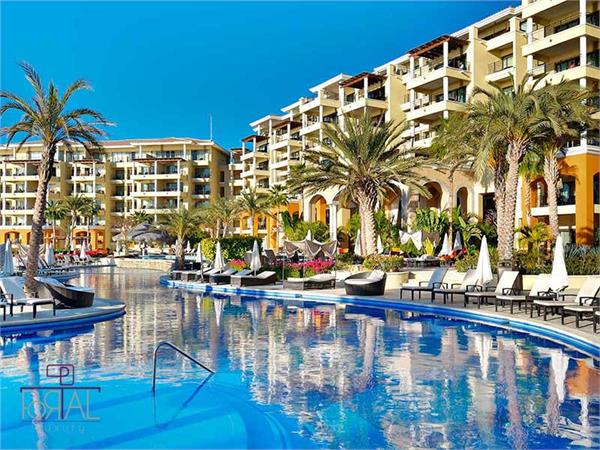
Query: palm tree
[[531, 167], [365, 161], [276, 198], [76, 206], [454, 147], [508, 124], [140, 217], [253, 204], [181, 223], [55, 210], [223, 211], [46, 117], [565, 112]]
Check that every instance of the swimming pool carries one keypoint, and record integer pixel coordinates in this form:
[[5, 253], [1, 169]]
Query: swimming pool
[[292, 374]]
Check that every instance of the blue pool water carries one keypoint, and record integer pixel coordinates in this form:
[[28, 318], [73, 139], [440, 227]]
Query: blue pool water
[[300, 375]]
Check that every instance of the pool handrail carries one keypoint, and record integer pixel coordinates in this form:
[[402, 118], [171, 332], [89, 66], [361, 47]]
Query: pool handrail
[[178, 350]]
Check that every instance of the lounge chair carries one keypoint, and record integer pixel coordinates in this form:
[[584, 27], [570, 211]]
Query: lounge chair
[[436, 281], [195, 275], [468, 283], [261, 279], [366, 283], [587, 305], [6, 302], [12, 288], [67, 295], [225, 277], [596, 321], [320, 281], [539, 291], [481, 294], [588, 291]]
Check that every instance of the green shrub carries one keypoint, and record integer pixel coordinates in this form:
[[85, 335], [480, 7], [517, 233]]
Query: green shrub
[[297, 232], [469, 261], [385, 263], [582, 260], [345, 260], [532, 262], [232, 247]]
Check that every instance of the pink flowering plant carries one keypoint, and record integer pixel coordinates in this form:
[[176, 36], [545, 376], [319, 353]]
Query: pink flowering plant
[[238, 264], [309, 268]]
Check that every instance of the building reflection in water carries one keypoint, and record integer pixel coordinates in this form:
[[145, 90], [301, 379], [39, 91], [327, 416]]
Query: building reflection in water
[[346, 374]]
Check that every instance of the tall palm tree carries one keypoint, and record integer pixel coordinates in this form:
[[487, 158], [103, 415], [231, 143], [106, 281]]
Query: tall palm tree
[[47, 118], [531, 167], [565, 111], [365, 161], [508, 121], [253, 204], [55, 210], [223, 211], [181, 223], [76, 206], [454, 147], [277, 197]]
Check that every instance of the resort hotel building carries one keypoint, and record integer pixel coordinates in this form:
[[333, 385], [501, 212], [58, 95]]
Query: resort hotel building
[[551, 39], [151, 175]]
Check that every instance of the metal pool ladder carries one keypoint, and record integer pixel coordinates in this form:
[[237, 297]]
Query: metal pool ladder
[[181, 352]]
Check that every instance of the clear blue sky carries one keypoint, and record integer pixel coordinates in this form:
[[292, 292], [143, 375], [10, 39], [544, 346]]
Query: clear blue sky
[[159, 69]]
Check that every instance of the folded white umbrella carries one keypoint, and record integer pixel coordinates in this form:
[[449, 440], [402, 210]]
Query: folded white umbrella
[[72, 247], [308, 235], [49, 256], [457, 243], [9, 267], [560, 364], [219, 303], [559, 278], [219, 261], [483, 272], [445, 251], [255, 263], [357, 246], [188, 247], [483, 344], [379, 245], [83, 252], [199, 258]]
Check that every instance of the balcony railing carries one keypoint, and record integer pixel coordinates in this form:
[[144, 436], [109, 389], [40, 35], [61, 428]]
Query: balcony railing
[[498, 66], [564, 24]]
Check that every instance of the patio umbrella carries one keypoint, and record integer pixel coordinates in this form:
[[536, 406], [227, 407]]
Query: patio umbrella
[[9, 266], [559, 278], [457, 243], [49, 255], [308, 235], [72, 247], [219, 261], [83, 252], [188, 247], [199, 258], [483, 343], [445, 251], [483, 272], [379, 245], [357, 246], [255, 263]]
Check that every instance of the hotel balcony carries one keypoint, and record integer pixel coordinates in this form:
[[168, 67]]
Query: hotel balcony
[[284, 140], [428, 78], [431, 111], [325, 99], [20, 177], [497, 71], [575, 72], [166, 193], [156, 176], [562, 36], [423, 139], [500, 41], [261, 153], [358, 101]]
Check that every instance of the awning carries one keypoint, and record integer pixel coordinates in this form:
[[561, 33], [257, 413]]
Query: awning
[[310, 249]]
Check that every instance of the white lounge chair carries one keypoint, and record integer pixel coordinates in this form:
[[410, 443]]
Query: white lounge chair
[[436, 281], [468, 283], [11, 286], [587, 303], [540, 290], [506, 284]]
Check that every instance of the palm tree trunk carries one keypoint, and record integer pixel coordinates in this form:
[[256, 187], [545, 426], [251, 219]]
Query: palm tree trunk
[[37, 231], [253, 225], [528, 201], [451, 205], [179, 256], [366, 206], [551, 175], [54, 233], [506, 235]]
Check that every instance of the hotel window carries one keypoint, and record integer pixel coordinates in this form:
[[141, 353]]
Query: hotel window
[[507, 61], [222, 177], [566, 64], [199, 155]]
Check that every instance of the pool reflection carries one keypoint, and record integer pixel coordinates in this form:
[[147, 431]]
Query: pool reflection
[[351, 377]]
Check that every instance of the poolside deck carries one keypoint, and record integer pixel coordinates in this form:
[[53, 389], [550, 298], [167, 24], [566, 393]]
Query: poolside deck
[[552, 328]]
